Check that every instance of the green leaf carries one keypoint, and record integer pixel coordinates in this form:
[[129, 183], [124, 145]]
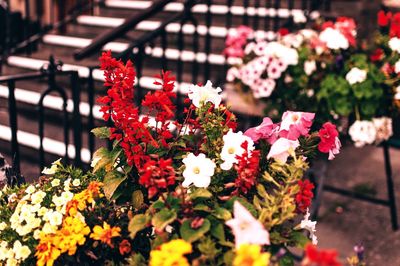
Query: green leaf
[[191, 235], [101, 132], [137, 199], [201, 207], [107, 158], [222, 214], [299, 239], [217, 231], [137, 223], [286, 260], [158, 205], [112, 181], [163, 218], [200, 193]]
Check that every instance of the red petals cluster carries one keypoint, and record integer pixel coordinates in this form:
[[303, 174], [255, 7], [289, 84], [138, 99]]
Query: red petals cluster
[[314, 257], [347, 26], [387, 19], [157, 175], [304, 196], [328, 135], [247, 169]]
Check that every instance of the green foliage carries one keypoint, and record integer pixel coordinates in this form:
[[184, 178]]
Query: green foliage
[[190, 234]]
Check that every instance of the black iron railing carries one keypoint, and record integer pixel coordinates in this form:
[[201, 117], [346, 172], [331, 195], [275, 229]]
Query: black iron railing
[[71, 120]]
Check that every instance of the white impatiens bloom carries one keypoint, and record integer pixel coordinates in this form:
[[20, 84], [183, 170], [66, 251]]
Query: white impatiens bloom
[[397, 67], [282, 148], [362, 133], [198, 170], [53, 169], [21, 252], [29, 190], [309, 225], [384, 128], [233, 148], [356, 75], [394, 44], [309, 67], [200, 95], [334, 39]]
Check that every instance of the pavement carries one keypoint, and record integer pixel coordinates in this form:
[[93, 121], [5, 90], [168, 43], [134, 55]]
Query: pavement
[[344, 222]]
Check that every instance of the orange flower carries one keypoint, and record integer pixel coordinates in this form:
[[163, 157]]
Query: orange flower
[[105, 233], [124, 247], [46, 252]]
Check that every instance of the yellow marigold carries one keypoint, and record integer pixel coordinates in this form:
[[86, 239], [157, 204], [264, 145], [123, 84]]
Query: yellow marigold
[[251, 255], [171, 254], [105, 233], [46, 252]]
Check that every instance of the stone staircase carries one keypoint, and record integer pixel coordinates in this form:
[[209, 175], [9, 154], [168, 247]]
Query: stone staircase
[[84, 29]]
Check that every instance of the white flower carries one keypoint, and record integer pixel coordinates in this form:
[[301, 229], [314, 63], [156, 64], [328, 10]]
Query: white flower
[[95, 160], [42, 211], [37, 197], [356, 75], [21, 252], [11, 262], [67, 184], [198, 170], [232, 74], [394, 44], [263, 88], [397, 67], [334, 39], [309, 67], [3, 226], [201, 95], [233, 147], [13, 197], [53, 169], [282, 148], [362, 133], [76, 182], [397, 93], [55, 218], [309, 225], [384, 128], [299, 17], [30, 189], [55, 182]]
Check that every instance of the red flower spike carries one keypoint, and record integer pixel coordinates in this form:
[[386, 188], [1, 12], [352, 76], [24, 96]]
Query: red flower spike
[[314, 257], [304, 196]]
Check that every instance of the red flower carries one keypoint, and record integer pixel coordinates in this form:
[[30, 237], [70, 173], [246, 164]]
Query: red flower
[[384, 18], [304, 196], [124, 247], [327, 134], [247, 169], [377, 55], [314, 257], [395, 26], [157, 175], [283, 31]]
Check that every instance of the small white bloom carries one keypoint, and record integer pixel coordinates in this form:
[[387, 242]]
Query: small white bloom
[[201, 95], [53, 169], [55, 218], [30, 189], [37, 197], [334, 39], [394, 44], [94, 162], [356, 75], [198, 170], [384, 128], [299, 17], [233, 147], [21, 252], [362, 133], [76, 182], [282, 148], [397, 93], [55, 182], [309, 67], [397, 67], [13, 197], [309, 225], [3, 226], [67, 184]]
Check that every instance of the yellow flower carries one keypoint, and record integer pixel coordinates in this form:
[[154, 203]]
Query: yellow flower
[[251, 255], [171, 254], [105, 233], [46, 252]]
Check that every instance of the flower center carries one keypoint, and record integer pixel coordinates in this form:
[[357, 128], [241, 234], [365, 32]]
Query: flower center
[[295, 118], [196, 170], [244, 225], [231, 150]]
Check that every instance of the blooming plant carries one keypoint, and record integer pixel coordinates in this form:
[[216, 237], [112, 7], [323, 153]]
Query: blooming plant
[[172, 192]]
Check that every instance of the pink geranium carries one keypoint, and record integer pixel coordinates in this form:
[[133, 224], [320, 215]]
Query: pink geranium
[[330, 142], [246, 228], [236, 41], [295, 124], [266, 130], [282, 148]]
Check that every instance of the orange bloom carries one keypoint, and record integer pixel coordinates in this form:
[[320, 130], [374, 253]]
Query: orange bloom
[[46, 252], [105, 233], [124, 247]]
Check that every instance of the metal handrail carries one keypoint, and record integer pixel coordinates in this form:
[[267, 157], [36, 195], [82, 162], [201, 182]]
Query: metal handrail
[[121, 30]]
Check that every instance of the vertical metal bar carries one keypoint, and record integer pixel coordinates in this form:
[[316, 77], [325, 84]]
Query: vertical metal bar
[[91, 104], [207, 46], [12, 107], [276, 18], [76, 118], [195, 65], [304, 4], [27, 26], [164, 48], [267, 20], [245, 15], [256, 15], [41, 134], [390, 187]]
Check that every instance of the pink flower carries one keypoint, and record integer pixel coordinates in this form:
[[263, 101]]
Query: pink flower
[[266, 130], [246, 228], [274, 70], [295, 124], [330, 142], [236, 40], [282, 148], [335, 150], [263, 88]]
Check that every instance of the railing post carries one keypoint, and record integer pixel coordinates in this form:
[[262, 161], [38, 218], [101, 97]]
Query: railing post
[[76, 118], [91, 104], [12, 107], [390, 187]]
